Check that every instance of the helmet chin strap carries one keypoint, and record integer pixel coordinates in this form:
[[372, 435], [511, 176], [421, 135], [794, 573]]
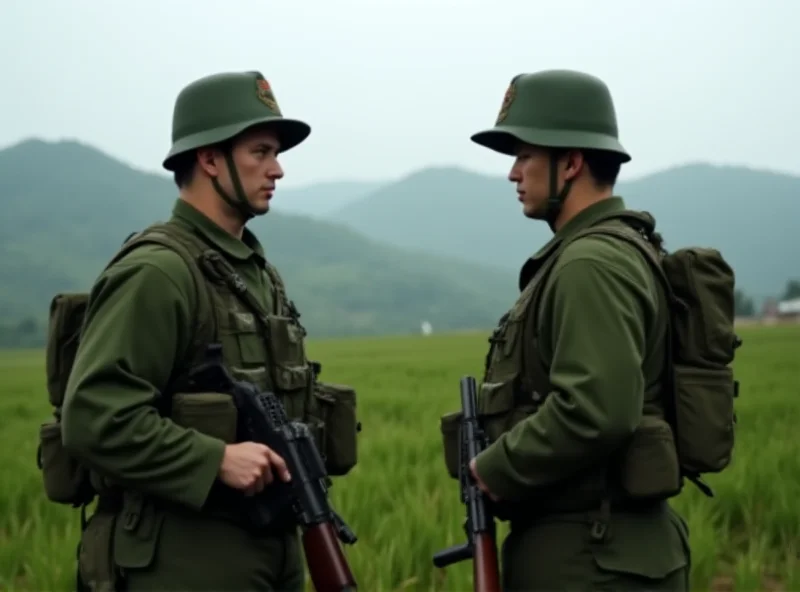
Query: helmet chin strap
[[241, 204], [556, 199]]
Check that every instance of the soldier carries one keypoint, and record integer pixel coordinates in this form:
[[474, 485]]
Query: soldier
[[172, 476], [576, 365]]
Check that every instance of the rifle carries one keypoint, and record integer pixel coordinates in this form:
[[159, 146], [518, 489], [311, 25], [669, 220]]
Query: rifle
[[263, 419], [479, 524]]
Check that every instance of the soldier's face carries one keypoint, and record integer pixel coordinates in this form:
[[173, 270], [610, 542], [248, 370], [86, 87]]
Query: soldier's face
[[256, 157], [531, 174]]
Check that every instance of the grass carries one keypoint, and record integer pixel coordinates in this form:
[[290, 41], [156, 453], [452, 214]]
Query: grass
[[399, 500]]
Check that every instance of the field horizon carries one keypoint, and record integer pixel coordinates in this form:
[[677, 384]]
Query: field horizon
[[747, 537]]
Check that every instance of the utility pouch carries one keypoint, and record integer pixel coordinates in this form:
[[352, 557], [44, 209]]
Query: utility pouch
[[705, 417], [650, 468], [336, 407], [96, 568], [138, 532], [450, 425], [66, 481], [213, 414]]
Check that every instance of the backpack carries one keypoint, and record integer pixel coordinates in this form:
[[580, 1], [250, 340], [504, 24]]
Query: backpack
[[701, 344], [66, 480]]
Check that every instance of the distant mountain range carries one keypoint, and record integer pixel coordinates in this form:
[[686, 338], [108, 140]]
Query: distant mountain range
[[751, 216], [442, 245], [69, 207]]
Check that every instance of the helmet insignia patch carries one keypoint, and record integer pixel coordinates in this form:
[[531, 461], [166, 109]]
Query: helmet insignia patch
[[508, 98], [266, 96]]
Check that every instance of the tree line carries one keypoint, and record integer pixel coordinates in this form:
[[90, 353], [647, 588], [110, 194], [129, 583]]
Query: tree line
[[32, 333]]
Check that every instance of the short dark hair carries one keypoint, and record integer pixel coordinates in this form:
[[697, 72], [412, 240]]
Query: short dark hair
[[185, 163], [604, 166], [184, 168]]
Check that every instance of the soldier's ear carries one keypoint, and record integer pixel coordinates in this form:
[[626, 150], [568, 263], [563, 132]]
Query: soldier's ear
[[573, 164], [208, 159]]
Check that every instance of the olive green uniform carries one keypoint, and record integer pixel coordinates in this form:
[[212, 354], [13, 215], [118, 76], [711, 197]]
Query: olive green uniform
[[138, 330], [152, 440], [574, 368]]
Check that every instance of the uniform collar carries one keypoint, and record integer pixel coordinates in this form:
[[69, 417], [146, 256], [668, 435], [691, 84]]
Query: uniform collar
[[579, 222], [244, 249]]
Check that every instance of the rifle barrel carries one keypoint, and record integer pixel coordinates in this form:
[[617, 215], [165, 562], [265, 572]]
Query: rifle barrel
[[479, 528]]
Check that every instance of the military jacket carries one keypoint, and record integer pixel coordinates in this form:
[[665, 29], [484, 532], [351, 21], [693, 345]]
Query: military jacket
[[150, 316], [574, 367]]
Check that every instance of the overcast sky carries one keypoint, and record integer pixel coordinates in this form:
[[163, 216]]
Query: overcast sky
[[390, 86]]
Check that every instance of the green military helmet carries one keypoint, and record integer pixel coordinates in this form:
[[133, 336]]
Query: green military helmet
[[217, 107], [557, 109]]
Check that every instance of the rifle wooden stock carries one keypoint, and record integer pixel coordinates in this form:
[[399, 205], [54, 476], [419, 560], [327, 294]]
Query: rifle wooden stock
[[327, 566], [484, 567]]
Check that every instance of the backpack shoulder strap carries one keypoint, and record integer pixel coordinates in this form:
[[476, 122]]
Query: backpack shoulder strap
[[638, 239], [192, 251]]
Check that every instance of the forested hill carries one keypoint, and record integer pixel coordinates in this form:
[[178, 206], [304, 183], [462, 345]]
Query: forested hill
[[68, 207], [751, 216], [442, 245]]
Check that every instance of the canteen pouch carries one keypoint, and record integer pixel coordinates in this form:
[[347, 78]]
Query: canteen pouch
[[650, 468], [66, 321], [213, 414], [66, 481], [338, 427], [96, 567], [450, 424]]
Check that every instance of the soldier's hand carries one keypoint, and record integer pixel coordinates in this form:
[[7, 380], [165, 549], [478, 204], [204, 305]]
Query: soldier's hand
[[249, 467]]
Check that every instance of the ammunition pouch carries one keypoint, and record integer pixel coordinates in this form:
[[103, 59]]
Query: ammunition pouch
[[649, 468], [213, 414], [450, 426], [334, 423], [501, 406], [291, 375]]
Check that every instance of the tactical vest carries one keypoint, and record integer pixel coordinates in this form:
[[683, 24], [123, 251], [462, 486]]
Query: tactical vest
[[260, 346], [688, 420]]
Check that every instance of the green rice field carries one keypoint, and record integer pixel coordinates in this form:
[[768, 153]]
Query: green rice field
[[399, 499]]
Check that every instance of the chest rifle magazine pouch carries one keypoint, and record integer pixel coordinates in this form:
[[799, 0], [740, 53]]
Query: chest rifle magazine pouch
[[291, 372]]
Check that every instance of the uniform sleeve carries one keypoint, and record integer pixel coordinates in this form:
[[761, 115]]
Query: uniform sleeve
[[138, 324], [594, 312]]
